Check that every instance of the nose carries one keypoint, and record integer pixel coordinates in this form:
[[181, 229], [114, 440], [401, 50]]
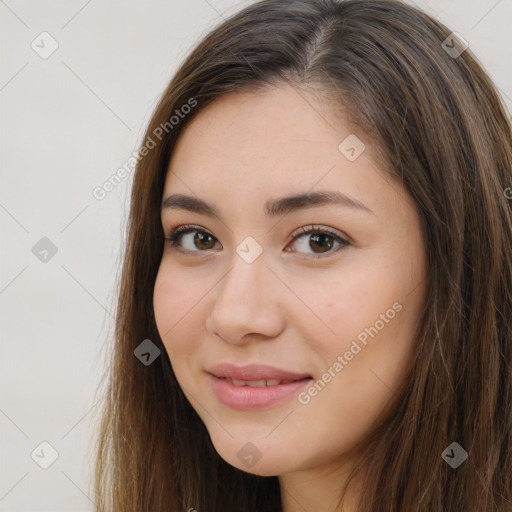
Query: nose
[[247, 303]]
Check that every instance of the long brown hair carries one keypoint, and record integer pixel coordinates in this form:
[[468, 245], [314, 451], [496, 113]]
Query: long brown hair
[[445, 133]]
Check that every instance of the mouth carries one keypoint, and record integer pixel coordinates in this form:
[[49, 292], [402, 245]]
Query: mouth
[[259, 383], [255, 386]]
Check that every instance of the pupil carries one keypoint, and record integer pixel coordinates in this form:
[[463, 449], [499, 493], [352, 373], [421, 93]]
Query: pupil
[[201, 238], [321, 239]]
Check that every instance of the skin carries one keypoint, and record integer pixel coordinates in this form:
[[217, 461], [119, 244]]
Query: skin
[[287, 308]]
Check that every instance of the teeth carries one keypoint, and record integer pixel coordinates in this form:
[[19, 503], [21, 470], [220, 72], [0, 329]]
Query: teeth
[[257, 383]]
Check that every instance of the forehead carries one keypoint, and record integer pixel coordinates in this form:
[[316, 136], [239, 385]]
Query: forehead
[[271, 142]]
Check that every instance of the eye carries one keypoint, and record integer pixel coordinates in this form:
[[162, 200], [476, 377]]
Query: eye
[[189, 238], [321, 240], [192, 237]]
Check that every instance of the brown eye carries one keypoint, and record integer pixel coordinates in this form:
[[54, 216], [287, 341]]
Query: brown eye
[[318, 241], [191, 239], [203, 240], [322, 242]]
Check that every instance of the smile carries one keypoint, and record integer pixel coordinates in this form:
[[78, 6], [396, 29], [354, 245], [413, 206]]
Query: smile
[[254, 386]]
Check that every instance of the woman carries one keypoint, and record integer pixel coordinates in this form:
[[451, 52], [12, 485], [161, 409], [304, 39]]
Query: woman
[[316, 304]]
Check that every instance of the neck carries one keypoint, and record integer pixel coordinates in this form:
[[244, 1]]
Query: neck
[[319, 490]]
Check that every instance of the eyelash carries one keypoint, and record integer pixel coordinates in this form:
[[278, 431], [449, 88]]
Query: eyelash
[[178, 232]]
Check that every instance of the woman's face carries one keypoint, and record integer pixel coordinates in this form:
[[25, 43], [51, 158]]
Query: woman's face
[[335, 309]]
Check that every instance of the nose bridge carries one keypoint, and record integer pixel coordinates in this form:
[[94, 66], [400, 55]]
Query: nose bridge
[[243, 301], [246, 277]]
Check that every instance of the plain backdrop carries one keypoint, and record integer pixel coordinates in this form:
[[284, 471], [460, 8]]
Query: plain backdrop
[[68, 122]]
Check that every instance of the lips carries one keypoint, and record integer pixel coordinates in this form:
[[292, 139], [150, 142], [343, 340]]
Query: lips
[[257, 383], [254, 386], [255, 372]]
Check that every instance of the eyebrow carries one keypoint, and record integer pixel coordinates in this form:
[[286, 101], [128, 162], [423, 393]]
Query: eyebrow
[[274, 207]]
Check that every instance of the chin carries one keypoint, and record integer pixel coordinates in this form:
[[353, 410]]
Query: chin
[[248, 458]]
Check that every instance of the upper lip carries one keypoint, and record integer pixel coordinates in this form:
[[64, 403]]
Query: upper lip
[[254, 372]]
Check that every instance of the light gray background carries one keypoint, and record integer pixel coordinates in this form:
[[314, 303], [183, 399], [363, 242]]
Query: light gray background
[[69, 122]]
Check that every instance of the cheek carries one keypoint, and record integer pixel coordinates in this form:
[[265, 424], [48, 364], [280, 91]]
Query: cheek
[[365, 311], [374, 352], [337, 305], [176, 306]]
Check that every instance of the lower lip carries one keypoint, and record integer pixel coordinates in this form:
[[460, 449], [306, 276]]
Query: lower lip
[[251, 397]]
